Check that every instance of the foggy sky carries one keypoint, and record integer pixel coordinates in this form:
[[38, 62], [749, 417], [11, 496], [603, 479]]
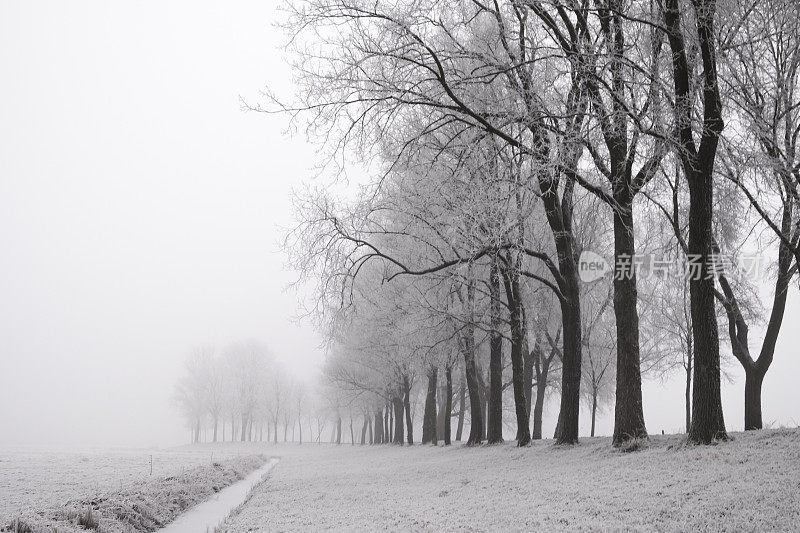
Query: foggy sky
[[139, 211], [140, 215]]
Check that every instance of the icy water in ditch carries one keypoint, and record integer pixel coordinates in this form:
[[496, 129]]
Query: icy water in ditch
[[211, 513]]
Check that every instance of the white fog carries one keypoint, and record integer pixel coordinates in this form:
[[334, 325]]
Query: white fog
[[143, 212]]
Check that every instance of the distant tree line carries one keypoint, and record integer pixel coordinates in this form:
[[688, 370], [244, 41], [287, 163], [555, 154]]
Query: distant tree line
[[241, 393]]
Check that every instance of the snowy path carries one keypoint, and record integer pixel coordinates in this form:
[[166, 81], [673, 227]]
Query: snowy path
[[212, 512]]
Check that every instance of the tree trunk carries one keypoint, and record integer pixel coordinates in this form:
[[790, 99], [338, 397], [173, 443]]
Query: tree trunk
[[429, 416], [275, 430], [364, 430], [369, 429], [440, 409], [688, 392], [244, 428], [338, 430], [527, 377], [756, 370], [628, 411], [389, 421], [538, 409], [448, 404], [462, 405], [494, 412], [567, 426], [407, 408], [216, 423], [378, 427], [559, 218], [352, 435], [473, 386], [594, 410], [754, 378], [707, 418], [514, 298], [397, 403], [542, 366], [708, 423], [484, 392]]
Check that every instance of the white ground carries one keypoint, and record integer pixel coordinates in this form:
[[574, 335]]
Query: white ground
[[752, 483], [37, 480]]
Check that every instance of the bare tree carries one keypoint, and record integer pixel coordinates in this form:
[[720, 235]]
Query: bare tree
[[698, 166], [191, 392], [762, 84], [299, 401]]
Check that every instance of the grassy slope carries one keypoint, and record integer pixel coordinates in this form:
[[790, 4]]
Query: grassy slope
[[752, 483], [143, 505], [38, 479]]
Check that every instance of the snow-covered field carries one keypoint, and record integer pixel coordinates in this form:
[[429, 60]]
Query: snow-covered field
[[35, 480], [749, 484]]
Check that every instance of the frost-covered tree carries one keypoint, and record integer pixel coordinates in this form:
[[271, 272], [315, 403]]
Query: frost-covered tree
[[760, 76]]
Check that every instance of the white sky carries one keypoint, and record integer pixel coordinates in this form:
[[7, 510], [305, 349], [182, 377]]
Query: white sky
[[139, 210], [140, 214]]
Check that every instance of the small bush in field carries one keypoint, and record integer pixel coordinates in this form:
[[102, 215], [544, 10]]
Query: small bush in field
[[88, 520]]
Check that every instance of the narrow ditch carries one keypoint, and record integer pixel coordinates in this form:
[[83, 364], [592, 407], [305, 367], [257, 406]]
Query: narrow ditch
[[211, 513]]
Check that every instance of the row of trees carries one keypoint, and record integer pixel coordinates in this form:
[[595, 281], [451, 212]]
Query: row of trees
[[242, 393], [503, 138]]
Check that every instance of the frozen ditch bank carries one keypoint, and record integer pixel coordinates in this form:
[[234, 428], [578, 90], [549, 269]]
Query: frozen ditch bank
[[142, 506], [211, 513]]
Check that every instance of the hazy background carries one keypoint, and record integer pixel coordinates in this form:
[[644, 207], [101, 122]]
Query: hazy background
[[141, 211]]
